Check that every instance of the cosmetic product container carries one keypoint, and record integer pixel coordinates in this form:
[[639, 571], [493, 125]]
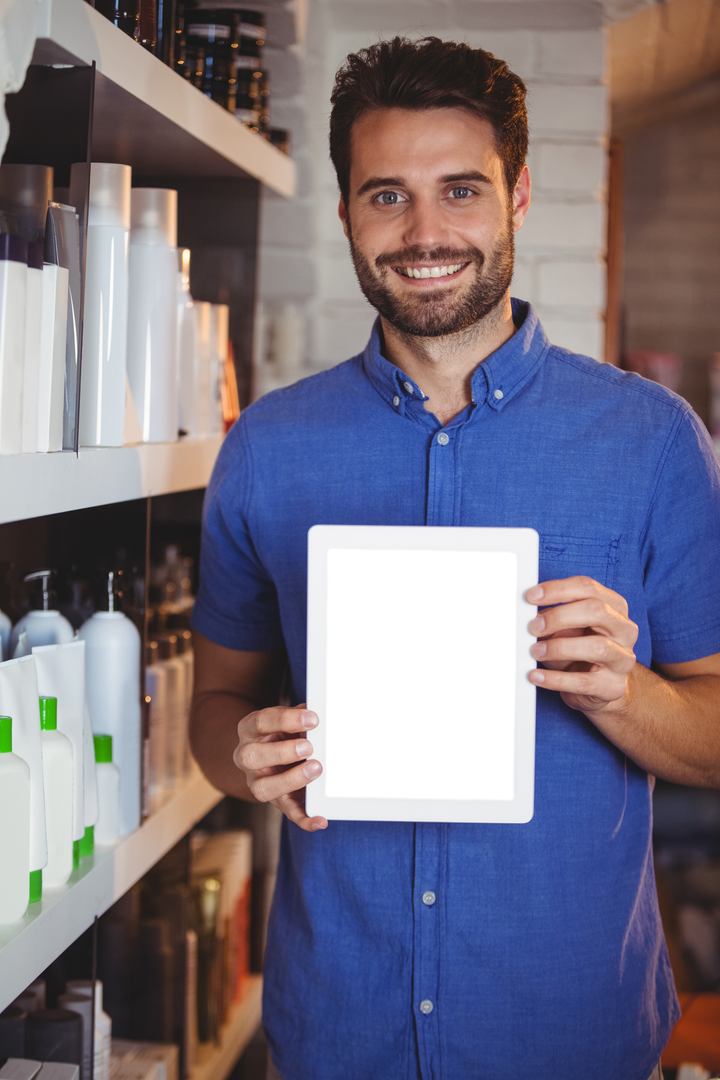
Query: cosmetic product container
[[62, 248], [59, 782], [176, 725], [5, 631], [12, 1032], [15, 828], [107, 829], [54, 1035], [33, 330], [156, 688], [45, 626], [19, 698], [188, 348], [112, 645], [51, 362], [103, 1024], [185, 654], [25, 191], [102, 392], [61, 675], [13, 291], [83, 1006], [219, 337], [204, 328], [152, 313]]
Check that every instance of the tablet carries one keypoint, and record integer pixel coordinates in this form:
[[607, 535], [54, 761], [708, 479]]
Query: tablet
[[418, 660]]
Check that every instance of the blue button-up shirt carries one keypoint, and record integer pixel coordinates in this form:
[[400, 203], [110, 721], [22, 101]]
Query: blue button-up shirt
[[542, 952]]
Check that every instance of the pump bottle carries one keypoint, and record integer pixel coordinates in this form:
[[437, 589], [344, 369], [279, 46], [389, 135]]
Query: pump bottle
[[14, 828], [44, 627], [59, 783]]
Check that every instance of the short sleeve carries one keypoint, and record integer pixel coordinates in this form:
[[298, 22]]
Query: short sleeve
[[682, 549], [237, 603]]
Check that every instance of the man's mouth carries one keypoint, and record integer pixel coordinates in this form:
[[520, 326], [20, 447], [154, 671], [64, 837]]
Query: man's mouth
[[437, 271]]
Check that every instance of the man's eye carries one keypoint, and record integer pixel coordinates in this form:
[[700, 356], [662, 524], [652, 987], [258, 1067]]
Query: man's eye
[[389, 198], [460, 192]]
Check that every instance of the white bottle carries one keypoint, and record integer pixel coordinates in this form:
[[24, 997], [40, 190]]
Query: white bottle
[[14, 830], [219, 337], [112, 675], [152, 313], [13, 286], [107, 827], [33, 329], [5, 631], [103, 1024], [59, 782], [156, 680], [204, 327], [51, 367], [102, 394], [44, 627], [188, 348]]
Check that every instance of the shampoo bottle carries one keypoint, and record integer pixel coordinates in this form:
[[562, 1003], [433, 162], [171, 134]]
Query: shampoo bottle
[[107, 829], [13, 286], [15, 829], [112, 660], [59, 779], [46, 626], [152, 313], [102, 395], [33, 330]]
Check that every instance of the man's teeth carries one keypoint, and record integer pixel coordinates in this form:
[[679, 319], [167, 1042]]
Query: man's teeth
[[431, 271]]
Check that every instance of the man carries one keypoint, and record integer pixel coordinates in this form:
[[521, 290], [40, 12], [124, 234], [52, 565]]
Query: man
[[451, 952]]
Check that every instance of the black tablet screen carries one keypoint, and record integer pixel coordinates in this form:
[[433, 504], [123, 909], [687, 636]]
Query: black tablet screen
[[421, 674]]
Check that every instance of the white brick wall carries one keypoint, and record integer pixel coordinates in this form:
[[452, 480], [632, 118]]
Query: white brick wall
[[558, 48]]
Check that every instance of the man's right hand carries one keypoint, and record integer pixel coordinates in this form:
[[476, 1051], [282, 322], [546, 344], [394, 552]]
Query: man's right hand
[[272, 752]]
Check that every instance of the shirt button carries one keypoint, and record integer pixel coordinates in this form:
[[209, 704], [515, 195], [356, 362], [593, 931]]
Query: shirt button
[[396, 401], [443, 439], [429, 898], [498, 395], [408, 387], [426, 1007]]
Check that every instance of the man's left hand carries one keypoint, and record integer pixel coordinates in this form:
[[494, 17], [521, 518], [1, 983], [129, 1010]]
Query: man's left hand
[[585, 642]]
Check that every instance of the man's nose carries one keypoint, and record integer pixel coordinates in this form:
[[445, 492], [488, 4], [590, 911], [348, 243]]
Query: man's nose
[[425, 226]]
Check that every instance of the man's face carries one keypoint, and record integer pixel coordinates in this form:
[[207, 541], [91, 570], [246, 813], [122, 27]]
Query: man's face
[[430, 221]]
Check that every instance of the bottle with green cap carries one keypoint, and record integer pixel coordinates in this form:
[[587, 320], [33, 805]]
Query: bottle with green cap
[[107, 826], [58, 783], [14, 829]]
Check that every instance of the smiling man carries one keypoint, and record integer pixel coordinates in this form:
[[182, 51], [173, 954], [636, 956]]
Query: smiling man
[[467, 952]]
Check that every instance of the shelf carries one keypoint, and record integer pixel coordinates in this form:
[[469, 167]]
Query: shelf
[[217, 1062], [34, 485], [50, 926], [145, 114]]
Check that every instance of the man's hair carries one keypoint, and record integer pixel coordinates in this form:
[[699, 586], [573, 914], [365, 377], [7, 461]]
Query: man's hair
[[429, 74]]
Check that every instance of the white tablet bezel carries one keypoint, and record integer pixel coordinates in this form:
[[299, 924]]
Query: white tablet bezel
[[524, 543]]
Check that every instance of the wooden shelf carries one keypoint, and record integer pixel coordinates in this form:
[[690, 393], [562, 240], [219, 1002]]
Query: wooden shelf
[[217, 1062], [34, 485], [145, 114], [50, 926]]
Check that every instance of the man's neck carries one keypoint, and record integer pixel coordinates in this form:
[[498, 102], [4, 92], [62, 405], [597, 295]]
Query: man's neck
[[443, 367]]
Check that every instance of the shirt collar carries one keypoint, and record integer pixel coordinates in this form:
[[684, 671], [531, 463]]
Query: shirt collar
[[497, 379]]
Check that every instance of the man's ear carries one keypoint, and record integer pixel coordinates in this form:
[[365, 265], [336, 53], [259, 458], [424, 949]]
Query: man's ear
[[521, 198], [343, 215]]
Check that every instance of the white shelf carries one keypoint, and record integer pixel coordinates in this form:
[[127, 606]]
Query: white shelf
[[145, 114], [33, 485], [217, 1062], [50, 926]]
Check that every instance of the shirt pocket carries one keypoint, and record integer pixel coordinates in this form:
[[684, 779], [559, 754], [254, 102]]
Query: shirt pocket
[[569, 556]]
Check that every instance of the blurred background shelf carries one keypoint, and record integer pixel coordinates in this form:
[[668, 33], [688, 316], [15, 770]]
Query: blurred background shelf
[[49, 927], [145, 115], [41, 484], [217, 1062]]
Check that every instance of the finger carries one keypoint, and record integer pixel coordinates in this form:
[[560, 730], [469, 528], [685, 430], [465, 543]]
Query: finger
[[592, 614], [265, 788], [277, 720], [591, 648], [293, 807], [603, 684], [251, 756], [567, 590]]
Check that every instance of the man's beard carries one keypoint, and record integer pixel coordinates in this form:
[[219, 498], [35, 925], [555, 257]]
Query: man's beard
[[434, 313]]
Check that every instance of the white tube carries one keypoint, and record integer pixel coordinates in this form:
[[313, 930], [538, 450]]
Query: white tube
[[33, 332], [14, 831], [51, 373], [19, 699], [113, 693], [13, 285], [61, 674], [152, 313], [107, 829]]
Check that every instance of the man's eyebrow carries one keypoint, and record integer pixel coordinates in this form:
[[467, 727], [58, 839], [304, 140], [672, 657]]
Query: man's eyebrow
[[396, 181]]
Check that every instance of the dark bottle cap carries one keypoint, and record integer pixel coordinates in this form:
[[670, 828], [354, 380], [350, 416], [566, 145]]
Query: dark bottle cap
[[13, 248]]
